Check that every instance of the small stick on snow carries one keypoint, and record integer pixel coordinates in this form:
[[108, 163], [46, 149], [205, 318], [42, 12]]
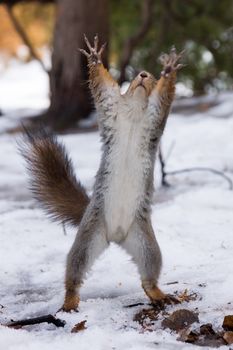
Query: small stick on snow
[[134, 305], [169, 283], [36, 320], [214, 171]]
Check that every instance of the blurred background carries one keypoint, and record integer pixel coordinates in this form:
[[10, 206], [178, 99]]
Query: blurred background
[[42, 72]]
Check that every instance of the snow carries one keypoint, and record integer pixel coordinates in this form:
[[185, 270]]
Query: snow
[[24, 91], [193, 222]]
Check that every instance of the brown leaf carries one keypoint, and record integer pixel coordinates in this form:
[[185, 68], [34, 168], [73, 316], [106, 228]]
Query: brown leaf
[[207, 329], [79, 327], [146, 317], [214, 341], [207, 338], [188, 336], [228, 323], [180, 319], [228, 337], [186, 297]]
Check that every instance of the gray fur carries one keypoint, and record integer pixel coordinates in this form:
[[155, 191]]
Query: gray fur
[[139, 239], [119, 211]]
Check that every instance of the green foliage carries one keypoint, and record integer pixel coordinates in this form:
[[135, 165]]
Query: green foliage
[[203, 28]]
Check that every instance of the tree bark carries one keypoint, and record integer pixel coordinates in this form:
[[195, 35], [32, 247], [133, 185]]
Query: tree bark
[[70, 96], [23, 35]]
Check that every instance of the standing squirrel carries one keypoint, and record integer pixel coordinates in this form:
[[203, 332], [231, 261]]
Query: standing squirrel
[[119, 210]]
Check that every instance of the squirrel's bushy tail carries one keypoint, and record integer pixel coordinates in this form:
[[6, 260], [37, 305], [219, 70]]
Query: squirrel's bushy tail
[[52, 178]]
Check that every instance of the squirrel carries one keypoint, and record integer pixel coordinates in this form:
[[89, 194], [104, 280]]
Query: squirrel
[[131, 125]]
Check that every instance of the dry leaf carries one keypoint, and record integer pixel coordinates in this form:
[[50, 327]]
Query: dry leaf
[[180, 319], [186, 297], [188, 336], [228, 323], [207, 329], [214, 341], [146, 317], [79, 327], [228, 337]]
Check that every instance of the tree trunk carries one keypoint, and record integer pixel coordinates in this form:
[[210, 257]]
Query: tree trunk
[[70, 96]]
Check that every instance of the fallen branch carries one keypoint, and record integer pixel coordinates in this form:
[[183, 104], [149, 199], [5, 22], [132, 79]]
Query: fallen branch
[[134, 305], [19, 29], [214, 171], [36, 320], [165, 173]]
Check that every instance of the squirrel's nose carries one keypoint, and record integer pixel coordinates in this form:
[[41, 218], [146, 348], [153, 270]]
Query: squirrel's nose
[[143, 75]]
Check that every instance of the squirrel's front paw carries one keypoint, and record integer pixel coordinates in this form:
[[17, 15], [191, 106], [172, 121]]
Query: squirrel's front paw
[[94, 55], [170, 62]]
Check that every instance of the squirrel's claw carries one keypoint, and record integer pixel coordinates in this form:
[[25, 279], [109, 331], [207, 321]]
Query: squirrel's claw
[[87, 42], [84, 52], [102, 49], [179, 66], [96, 42], [181, 54], [164, 59]]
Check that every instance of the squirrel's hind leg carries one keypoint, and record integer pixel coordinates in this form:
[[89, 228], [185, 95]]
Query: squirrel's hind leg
[[89, 243], [141, 244]]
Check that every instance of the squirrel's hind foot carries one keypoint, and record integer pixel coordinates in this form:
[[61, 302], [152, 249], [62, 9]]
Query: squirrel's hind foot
[[167, 300], [71, 303], [158, 298]]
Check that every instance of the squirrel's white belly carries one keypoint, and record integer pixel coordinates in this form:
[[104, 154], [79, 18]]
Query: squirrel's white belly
[[125, 185]]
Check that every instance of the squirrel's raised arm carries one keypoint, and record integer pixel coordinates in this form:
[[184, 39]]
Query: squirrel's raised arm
[[104, 88], [164, 92]]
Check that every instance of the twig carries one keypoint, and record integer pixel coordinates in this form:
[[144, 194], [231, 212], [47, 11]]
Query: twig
[[162, 165], [134, 305], [133, 40], [165, 173], [24, 36], [214, 171], [169, 152], [36, 320], [170, 283]]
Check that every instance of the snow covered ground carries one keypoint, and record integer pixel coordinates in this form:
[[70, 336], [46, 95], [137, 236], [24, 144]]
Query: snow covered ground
[[193, 221]]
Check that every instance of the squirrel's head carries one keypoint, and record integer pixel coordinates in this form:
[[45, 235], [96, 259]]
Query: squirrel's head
[[142, 85]]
